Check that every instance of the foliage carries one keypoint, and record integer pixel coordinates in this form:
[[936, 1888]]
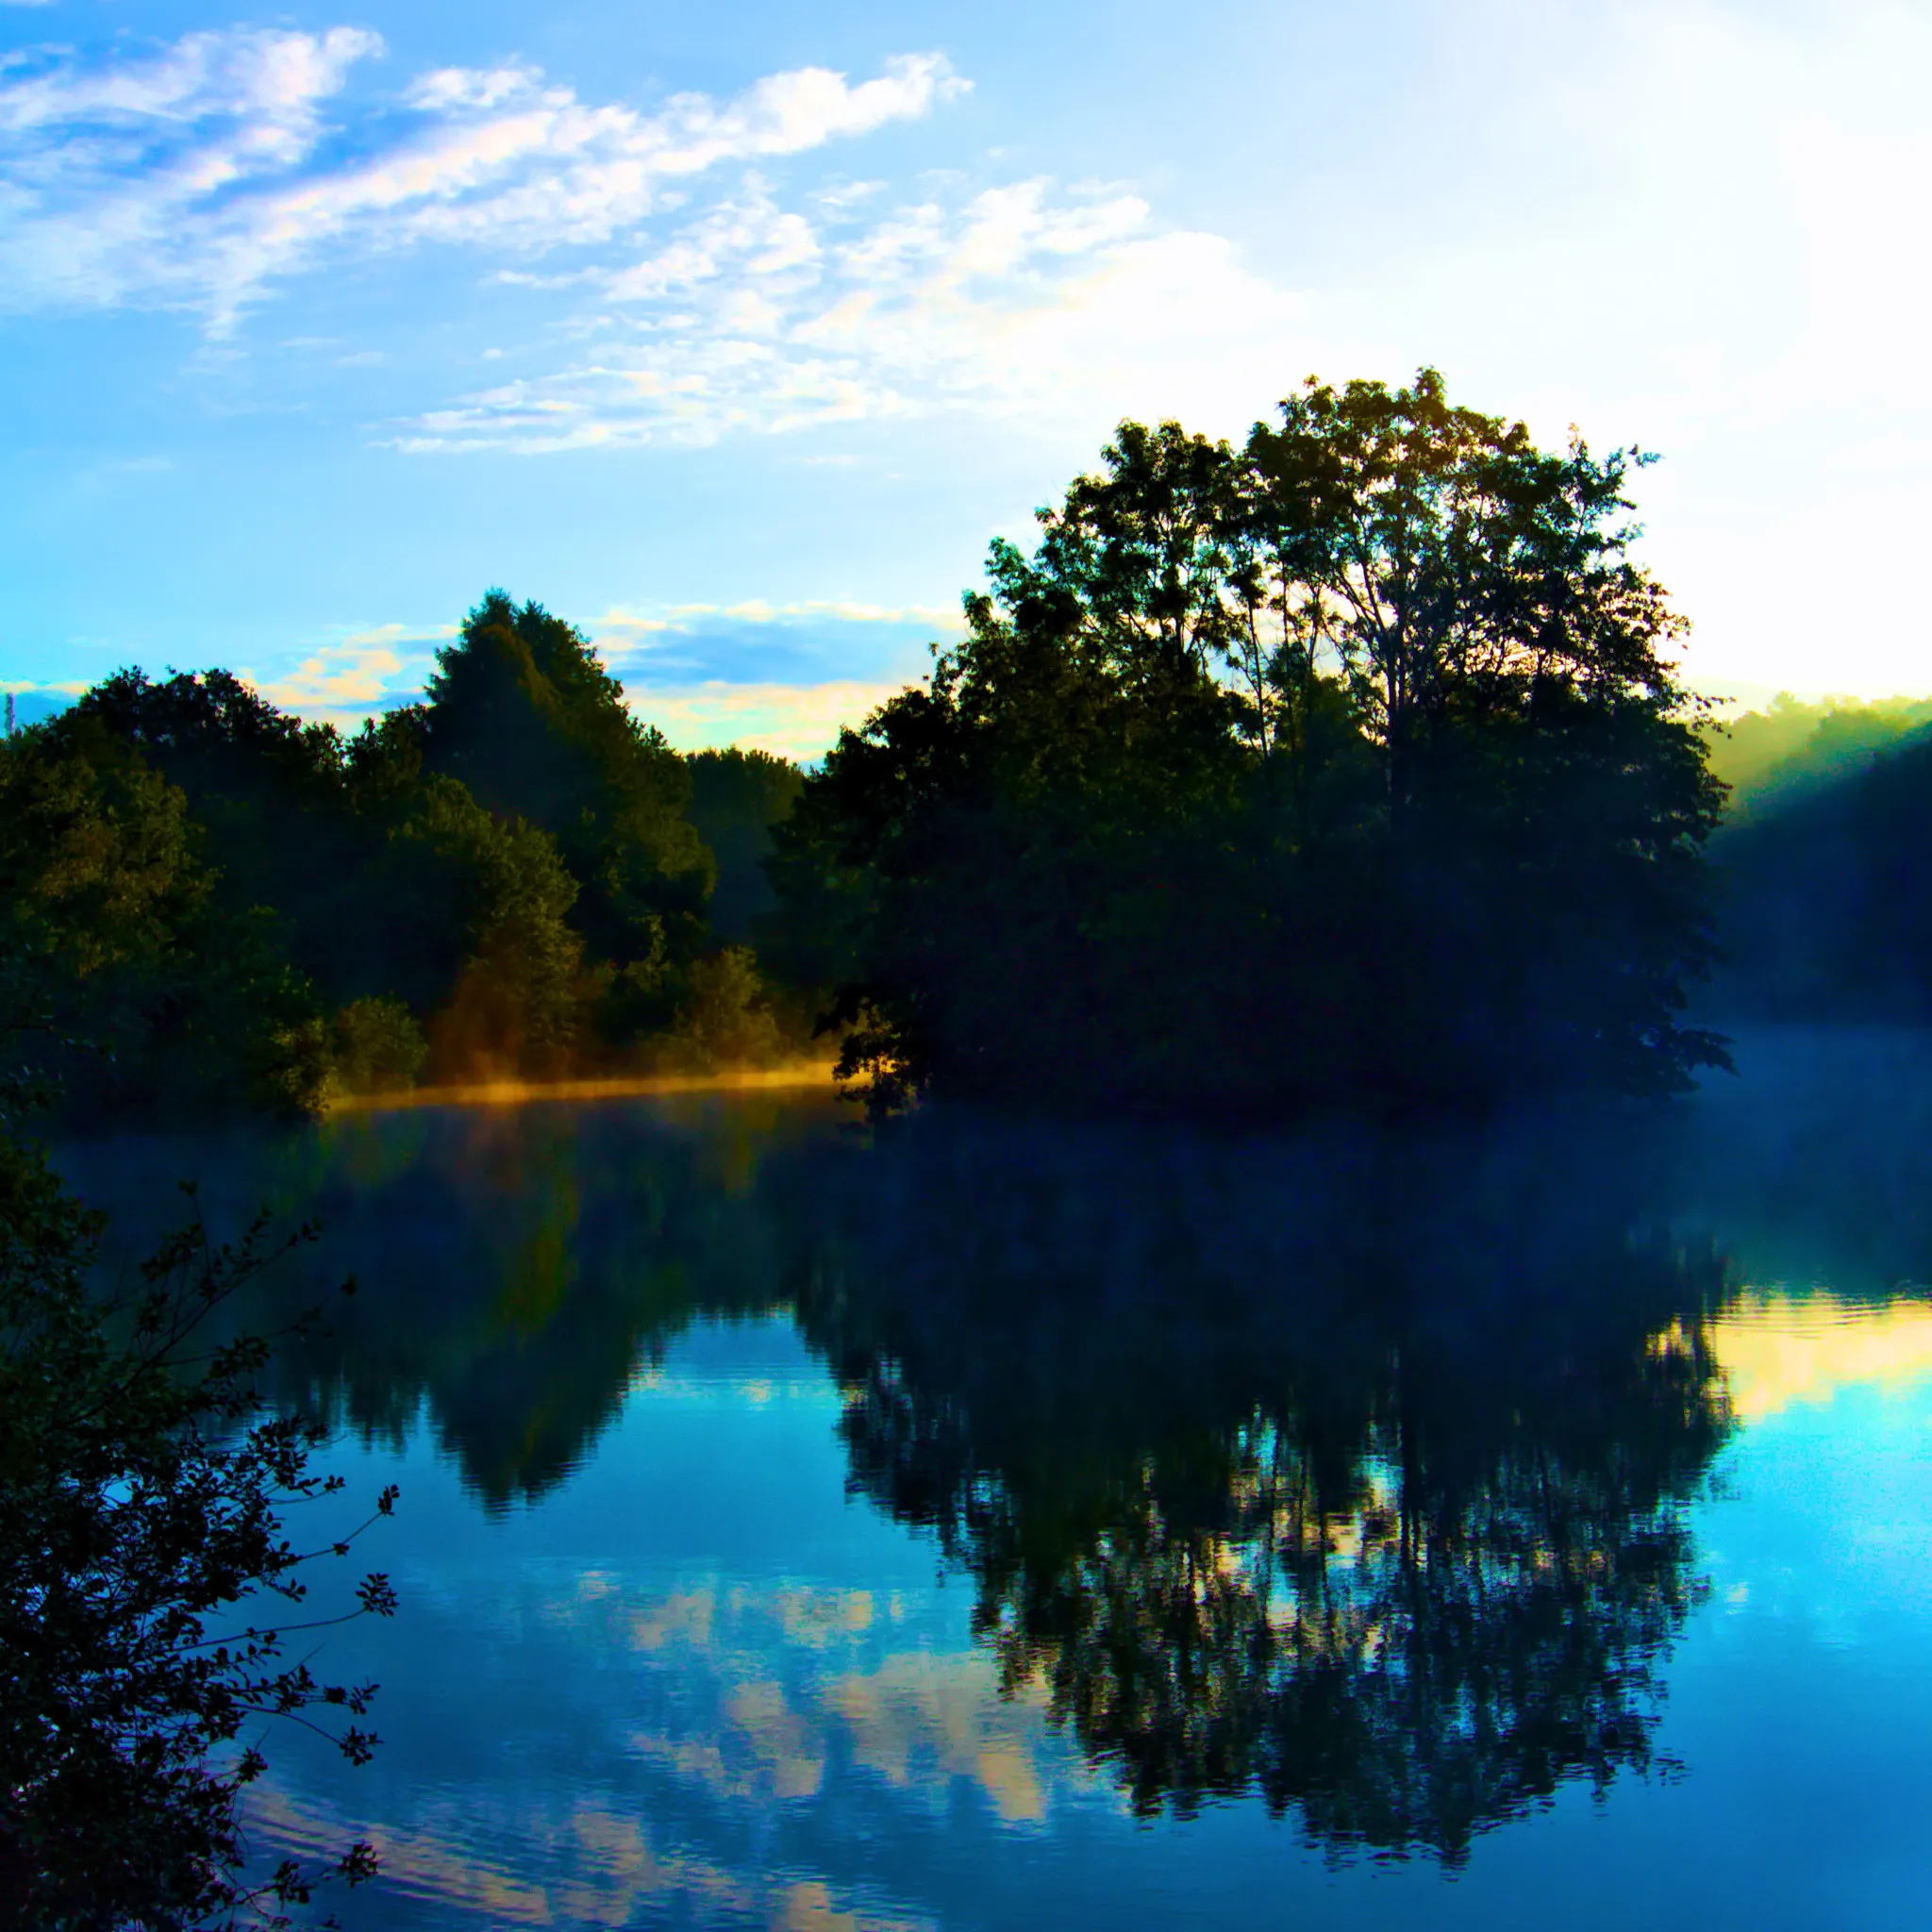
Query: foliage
[[278, 826], [1829, 911], [98, 851], [725, 1018], [378, 1048], [521, 712], [142, 1497], [507, 895], [1349, 763], [1767, 757], [501, 879], [149, 990]]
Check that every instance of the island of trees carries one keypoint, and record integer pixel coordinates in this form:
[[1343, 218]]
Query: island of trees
[[1348, 765], [1351, 761]]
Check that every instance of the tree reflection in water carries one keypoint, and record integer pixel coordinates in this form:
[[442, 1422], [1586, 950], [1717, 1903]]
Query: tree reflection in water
[[517, 1267], [1357, 1482], [1351, 1474]]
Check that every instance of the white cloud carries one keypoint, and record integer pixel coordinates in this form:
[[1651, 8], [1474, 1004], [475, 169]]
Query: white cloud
[[621, 633], [1015, 301], [198, 173], [945, 616], [795, 721], [469, 87], [194, 176], [385, 634], [353, 679]]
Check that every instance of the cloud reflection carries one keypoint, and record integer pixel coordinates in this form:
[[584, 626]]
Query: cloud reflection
[[1778, 1349], [596, 1865], [803, 1677]]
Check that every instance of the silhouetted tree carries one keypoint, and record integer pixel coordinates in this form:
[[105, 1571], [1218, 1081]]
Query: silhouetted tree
[[1349, 764], [521, 712]]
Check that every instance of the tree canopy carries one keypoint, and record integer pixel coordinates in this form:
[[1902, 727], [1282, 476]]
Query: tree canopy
[[522, 713]]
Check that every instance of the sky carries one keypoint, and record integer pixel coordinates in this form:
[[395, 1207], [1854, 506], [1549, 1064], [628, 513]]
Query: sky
[[734, 333]]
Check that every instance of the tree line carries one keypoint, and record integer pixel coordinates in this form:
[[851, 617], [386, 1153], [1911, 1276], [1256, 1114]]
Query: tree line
[[1347, 765]]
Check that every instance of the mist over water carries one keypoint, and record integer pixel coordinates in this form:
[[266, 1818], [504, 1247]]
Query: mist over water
[[979, 1524]]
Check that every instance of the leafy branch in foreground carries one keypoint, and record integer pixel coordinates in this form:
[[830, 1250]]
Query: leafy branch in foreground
[[141, 1491]]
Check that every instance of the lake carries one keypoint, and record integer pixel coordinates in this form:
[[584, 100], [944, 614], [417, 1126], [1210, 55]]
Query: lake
[[1002, 1525]]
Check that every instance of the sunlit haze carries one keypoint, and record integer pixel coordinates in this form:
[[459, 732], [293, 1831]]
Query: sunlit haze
[[732, 334]]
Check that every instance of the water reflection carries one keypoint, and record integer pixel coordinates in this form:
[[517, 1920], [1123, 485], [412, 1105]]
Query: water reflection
[[1781, 1348], [516, 1269]]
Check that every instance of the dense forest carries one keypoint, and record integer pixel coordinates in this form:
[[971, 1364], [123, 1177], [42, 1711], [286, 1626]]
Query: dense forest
[[215, 905]]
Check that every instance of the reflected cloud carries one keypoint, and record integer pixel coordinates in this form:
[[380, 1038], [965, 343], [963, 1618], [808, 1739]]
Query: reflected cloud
[[792, 1757], [601, 1866], [437, 1862], [803, 1677], [1778, 1349], [818, 1618], [1381, 1517], [684, 1617], [921, 1721]]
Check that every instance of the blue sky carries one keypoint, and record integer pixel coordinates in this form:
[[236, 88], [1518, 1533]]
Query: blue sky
[[732, 333]]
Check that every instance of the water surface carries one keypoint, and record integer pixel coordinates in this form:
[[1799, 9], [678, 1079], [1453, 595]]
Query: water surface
[[1008, 1527]]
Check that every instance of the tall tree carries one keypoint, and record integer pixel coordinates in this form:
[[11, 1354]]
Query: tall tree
[[523, 713]]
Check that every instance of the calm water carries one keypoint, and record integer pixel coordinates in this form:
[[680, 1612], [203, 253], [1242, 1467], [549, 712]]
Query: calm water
[[999, 1528]]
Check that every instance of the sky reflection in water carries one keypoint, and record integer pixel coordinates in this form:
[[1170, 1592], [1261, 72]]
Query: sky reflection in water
[[1004, 1528]]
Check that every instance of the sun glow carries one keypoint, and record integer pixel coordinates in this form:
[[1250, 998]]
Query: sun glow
[[794, 1075]]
